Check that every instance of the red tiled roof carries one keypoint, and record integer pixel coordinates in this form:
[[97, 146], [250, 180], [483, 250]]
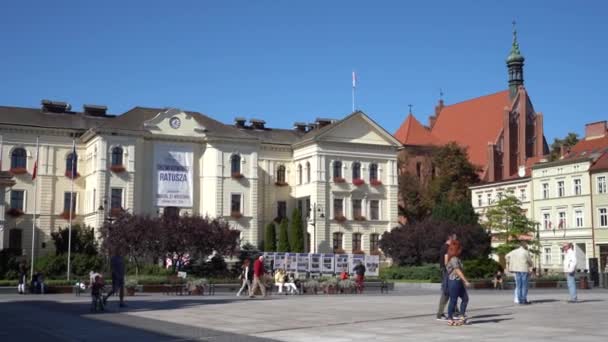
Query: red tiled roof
[[601, 164], [412, 132], [589, 145], [473, 124]]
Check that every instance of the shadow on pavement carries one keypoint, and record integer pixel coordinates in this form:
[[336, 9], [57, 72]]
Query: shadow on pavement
[[541, 301], [57, 321], [491, 315], [590, 301], [496, 320]]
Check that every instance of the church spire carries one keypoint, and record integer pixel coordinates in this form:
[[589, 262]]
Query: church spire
[[515, 65]]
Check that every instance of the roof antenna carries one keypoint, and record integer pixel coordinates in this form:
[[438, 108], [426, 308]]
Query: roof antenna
[[440, 94], [409, 105]]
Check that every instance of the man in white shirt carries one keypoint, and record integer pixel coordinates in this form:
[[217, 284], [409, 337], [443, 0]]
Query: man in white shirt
[[570, 270], [519, 262]]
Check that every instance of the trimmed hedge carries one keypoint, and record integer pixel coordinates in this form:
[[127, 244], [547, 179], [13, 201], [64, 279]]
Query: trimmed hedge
[[428, 272], [55, 266], [481, 268]]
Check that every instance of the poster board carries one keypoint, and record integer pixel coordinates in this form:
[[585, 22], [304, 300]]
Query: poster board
[[315, 263], [354, 260], [372, 265], [303, 263], [279, 261], [342, 264], [268, 261], [291, 262], [327, 264]]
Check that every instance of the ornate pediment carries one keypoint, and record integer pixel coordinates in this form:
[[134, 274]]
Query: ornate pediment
[[174, 121]]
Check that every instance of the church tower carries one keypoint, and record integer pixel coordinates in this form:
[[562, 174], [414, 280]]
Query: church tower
[[515, 64]]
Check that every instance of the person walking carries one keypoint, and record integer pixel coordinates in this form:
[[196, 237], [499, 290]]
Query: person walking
[[570, 270], [22, 278], [245, 277], [117, 264], [457, 284], [519, 262], [258, 273], [360, 276], [443, 259]]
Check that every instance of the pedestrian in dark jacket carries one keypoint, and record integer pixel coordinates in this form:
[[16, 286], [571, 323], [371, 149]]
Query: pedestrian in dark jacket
[[22, 278], [117, 264], [359, 276]]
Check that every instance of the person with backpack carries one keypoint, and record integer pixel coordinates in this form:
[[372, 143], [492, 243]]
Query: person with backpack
[[246, 275]]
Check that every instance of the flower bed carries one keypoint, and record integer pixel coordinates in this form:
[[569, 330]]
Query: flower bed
[[14, 212], [375, 182], [236, 175], [358, 181], [17, 170], [340, 218], [117, 168], [72, 176], [236, 215], [66, 215], [339, 180], [360, 218]]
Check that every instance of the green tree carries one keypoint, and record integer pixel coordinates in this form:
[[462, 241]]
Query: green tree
[[458, 213], [297, 232], [270, 240], [570, 140], [413, 206], [283, 237], [454, 175], [508, 224], [83, 240]]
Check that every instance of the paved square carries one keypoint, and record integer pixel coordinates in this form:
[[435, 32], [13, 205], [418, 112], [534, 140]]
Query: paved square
[[402, 315]]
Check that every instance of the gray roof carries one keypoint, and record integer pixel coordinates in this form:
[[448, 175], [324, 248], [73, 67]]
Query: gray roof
[[275, 135]]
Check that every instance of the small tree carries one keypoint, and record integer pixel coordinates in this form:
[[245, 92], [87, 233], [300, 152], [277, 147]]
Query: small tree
[[568, 141], [297, 232], [83, 240], [270, 241], [508, 224], [283, 238]]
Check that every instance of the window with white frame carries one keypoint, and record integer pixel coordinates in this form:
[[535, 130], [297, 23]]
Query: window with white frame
[[357, 209], [522, 194], [545, 187], [578, 188], [18, 200], [337, 169], [601, 184], [547, 253], [235, 204], [547, 220], [561, 189], [479, 200], [578, 218], [499, 195], [116, 198], [603, 217], [281, 210], [307, 172], [300, 175], [374, 209], [561, 223], [338, 208], [489, 197]]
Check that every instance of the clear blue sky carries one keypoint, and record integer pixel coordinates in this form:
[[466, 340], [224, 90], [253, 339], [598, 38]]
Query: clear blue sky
[[284, 61]]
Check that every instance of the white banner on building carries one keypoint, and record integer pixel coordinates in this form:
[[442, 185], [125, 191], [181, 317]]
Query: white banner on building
[[303, 261], [372, 265], [291, 261], [354, 261], [328, 264], [315, 263], [173, 172]]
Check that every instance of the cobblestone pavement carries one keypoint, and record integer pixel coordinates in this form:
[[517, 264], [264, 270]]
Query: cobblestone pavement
[[404, 315]]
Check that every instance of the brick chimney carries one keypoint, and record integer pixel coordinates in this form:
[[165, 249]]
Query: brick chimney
[[595, 129]]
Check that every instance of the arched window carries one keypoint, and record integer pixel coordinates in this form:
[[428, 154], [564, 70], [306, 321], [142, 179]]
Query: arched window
[[235, 164], [374, 243], [337, 169], [356, 170], [71, 164], [300, 175], [281, 174], [117, 153], [19, 158], [307, 172], [356, 242], [373, 172]]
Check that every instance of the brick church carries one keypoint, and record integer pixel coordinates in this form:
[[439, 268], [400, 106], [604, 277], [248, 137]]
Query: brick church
[[502, 131]]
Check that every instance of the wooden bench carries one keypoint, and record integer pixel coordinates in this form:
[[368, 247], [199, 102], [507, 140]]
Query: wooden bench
[[175, 285], [384, 286]]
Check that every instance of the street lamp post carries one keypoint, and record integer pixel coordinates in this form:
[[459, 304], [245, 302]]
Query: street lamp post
[[316, 210]]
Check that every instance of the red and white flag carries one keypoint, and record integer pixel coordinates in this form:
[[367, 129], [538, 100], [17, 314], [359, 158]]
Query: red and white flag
[[354, 80], [35, 171]]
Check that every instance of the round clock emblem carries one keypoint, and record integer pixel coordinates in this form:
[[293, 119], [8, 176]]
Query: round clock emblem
[[175, 122]]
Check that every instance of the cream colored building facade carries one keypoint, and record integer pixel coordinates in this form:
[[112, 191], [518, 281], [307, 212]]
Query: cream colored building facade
[[247, 174], [567, 199]]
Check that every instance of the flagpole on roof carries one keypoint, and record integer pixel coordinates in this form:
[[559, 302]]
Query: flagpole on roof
[[70, 210], [354, 86], [35, 179]]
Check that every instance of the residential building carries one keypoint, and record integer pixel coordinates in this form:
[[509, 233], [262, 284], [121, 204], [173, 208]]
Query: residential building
[[168, 161]]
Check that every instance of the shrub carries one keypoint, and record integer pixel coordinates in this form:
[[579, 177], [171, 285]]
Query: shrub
[[480, 268], [149, 269], [9, 263], [83, 240], [429, 272], [55, 266]]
